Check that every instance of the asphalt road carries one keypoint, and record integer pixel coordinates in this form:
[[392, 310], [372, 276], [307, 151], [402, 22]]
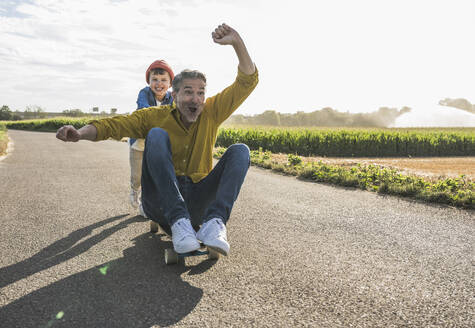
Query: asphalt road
[[74, 254]]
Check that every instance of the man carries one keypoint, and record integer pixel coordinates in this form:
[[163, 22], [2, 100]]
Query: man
[[180, 189], [159, 76]]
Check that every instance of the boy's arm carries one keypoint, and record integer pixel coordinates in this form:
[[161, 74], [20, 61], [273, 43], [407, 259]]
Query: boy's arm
[[142, 99], [142, 102]]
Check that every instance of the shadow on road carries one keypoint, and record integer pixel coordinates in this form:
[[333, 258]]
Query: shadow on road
[[137, 290], [62, 250]]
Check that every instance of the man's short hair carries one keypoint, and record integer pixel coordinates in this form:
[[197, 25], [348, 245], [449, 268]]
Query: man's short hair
[[187, 74]]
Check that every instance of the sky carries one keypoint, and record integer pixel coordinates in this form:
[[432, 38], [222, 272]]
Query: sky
[[352, 56]]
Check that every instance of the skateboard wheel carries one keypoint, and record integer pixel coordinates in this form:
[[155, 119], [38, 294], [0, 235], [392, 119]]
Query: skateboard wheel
[[171, 257], [212, 254], [153, 227]]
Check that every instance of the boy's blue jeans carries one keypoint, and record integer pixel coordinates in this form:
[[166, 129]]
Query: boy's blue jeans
[[167, 197]]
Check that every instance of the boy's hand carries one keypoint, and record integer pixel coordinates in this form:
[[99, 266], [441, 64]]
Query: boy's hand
[[224, 34], [68, 133]]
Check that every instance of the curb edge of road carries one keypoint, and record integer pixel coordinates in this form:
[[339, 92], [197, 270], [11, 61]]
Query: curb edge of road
[[9, 149]]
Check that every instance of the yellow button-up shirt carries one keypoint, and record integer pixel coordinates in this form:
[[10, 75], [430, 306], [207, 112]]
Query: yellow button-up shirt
[[192, 148]]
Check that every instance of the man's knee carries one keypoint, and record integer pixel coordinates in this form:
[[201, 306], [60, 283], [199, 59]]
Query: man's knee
[[240, 148], [240, 151], [157, 133], [157, 137]]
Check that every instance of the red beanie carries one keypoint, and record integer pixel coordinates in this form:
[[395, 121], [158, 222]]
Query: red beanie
[[159, 64]]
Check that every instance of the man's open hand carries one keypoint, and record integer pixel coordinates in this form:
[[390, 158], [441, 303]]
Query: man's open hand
[[225, 34], [68, 133]]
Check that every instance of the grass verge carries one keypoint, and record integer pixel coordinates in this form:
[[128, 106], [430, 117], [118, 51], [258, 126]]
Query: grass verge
[[459, 192], [3, 139]]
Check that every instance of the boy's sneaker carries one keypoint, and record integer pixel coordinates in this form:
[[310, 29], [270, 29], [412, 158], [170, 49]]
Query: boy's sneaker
[[134, 198], [213, 234], [184, 236]]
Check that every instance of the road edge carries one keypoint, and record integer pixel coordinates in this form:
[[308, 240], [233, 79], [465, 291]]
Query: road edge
[[9, 150]]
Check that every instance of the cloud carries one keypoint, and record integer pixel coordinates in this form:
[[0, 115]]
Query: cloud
[[9, 8], [65, 67], [28, 36], [358, 59]]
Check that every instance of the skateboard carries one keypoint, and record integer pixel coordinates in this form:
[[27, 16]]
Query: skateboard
[[172, 257]]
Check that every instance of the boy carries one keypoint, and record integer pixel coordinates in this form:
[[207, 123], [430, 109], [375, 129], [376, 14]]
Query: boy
[[159, 76]]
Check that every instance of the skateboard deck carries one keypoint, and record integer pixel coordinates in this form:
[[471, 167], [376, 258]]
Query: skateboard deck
[[172, 257]]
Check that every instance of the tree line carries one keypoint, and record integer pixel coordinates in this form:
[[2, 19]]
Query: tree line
[[35, 112], [327, 117]]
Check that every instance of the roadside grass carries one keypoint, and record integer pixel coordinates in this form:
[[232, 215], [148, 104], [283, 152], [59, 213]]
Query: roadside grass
[[3, 139], [459, 192]]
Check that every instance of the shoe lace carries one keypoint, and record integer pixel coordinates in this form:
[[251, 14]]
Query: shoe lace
[[183, 229], [219, 229]]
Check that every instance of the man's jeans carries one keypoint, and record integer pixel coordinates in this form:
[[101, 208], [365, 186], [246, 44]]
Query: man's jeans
[[167, 197]]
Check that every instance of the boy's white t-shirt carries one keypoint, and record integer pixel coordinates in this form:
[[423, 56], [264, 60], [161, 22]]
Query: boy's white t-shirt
[[139, 144]]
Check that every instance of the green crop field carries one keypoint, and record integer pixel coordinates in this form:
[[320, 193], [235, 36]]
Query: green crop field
[[339, 142], [330, 142]]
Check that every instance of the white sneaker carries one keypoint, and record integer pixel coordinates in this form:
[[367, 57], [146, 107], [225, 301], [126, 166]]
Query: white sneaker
[[213, 234], [141, 211], [184, 236], [134, 198]]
